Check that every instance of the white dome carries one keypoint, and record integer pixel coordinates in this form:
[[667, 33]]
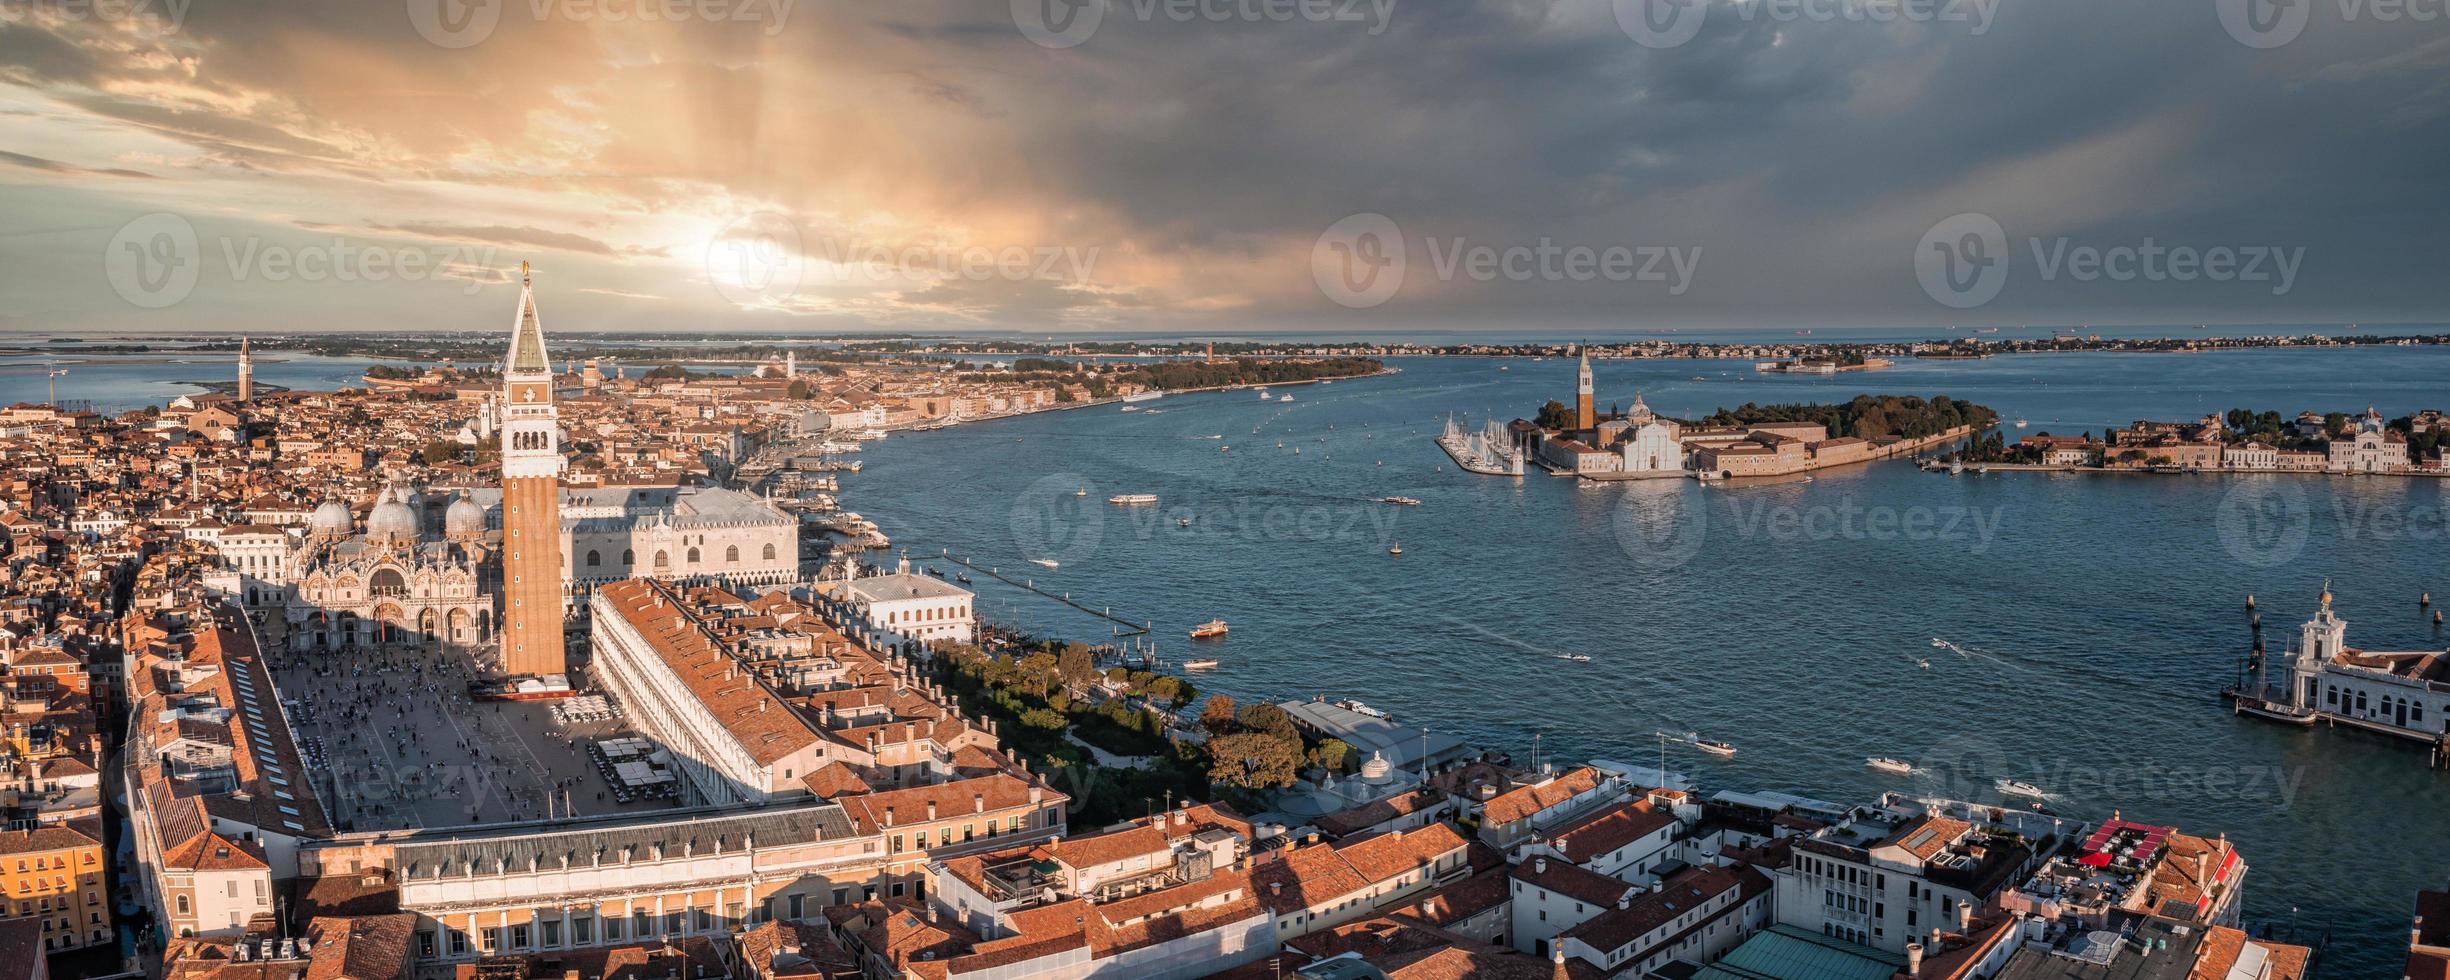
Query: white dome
[[1377, 769], [332, 516], [465, 517], [391, 518]]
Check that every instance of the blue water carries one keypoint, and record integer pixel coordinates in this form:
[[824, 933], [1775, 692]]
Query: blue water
[[2091, 619]]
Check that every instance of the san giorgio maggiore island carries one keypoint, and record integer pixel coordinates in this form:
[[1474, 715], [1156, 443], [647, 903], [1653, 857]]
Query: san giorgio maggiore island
[[532, 672]]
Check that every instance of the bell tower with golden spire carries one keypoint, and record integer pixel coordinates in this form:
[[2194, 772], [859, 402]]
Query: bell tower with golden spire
[[532, 602]]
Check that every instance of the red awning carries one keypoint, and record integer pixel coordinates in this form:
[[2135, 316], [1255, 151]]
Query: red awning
[[2097, 859]]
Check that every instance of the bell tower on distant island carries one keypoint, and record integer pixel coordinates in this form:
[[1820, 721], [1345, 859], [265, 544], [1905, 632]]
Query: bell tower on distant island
[[531, 500], [1585, 418], [246, 371]]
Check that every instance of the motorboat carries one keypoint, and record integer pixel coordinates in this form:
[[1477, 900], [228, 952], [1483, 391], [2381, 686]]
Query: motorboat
[[1896, 766], [1714, 747], [1049, 563], [1209, 630], [2013, 788]]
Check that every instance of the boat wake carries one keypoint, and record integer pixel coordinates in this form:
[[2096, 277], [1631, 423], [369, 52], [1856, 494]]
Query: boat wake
[[1971, 654]]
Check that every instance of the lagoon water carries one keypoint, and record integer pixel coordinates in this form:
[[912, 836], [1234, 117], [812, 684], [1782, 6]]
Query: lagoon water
[[2089, 619]]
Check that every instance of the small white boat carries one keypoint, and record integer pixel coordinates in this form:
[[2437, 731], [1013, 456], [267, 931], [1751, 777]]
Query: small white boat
[[2020, 423], [1717, 748], [1395, 549], [1286, 398], [1198, 664], [1890, 765], [2013, 788], [1132, 499], [1131, 408], [1047, 562], [1580, 658]]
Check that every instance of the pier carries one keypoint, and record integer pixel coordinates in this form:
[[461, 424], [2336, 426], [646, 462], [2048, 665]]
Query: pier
[[1129, 628]]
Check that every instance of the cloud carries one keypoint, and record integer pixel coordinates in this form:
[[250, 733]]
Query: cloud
[[56, 167], [1200, 160]]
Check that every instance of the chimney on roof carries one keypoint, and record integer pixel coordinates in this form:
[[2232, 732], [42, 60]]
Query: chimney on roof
[[978, 803], [931, 809], [1623, 902], [1036, 793], [888, 816], [1539, 865], [1965, 915], [1276, 888], [1914, 959]]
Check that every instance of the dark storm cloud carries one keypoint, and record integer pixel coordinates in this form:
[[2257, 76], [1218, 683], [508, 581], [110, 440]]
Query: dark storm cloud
[[1802, 160]]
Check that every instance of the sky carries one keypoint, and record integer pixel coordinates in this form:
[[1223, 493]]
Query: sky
[[1220, 166]]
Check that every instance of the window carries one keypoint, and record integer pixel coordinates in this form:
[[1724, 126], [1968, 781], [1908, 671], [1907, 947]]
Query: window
[[594, 558], [769, 551], [693, 556], [628, 557], [732, 554]]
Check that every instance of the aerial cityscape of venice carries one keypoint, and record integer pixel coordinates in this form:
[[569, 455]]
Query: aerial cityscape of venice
[[1241, 489]]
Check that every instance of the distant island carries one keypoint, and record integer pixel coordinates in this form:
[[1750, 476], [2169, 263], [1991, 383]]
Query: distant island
[[2239, 441], [1745, 441]]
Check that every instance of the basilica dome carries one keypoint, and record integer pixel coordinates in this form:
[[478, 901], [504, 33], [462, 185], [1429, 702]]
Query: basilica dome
[[465, 518], [331, 517], [392, 519]]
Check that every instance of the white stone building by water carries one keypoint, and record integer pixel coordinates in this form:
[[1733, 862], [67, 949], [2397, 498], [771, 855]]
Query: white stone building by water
[[2406, 694], [673, 534]]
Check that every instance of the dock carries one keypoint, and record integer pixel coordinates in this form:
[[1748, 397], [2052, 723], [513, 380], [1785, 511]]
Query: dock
[[1128, 628]]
